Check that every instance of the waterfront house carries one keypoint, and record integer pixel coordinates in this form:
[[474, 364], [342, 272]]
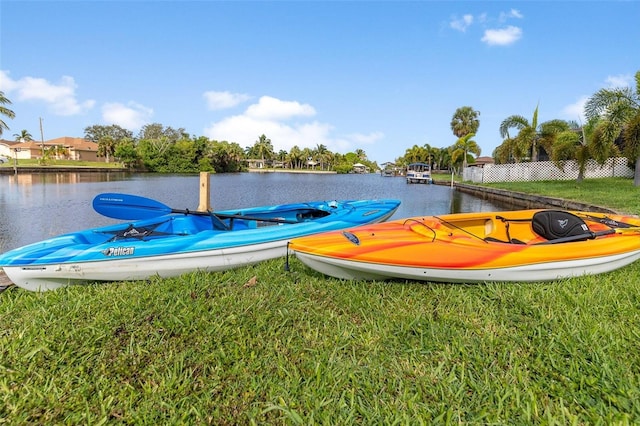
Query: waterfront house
[[64, 148]]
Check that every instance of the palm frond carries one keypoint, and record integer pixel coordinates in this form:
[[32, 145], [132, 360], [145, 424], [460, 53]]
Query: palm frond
[[631, 137], [515, 121]]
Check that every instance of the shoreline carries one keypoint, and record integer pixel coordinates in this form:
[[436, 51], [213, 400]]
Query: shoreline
[[323, 172], [517, 199], [6, 170]]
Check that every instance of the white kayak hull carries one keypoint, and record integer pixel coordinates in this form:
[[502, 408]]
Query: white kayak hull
[[51, 277], [548, 271]]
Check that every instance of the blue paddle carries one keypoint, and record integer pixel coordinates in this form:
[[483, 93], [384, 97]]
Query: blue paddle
[[130, 207], [134, 207]]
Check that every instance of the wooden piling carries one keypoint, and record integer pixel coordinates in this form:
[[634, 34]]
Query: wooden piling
[[205, 193]]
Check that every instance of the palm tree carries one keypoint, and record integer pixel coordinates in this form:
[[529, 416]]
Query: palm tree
[[23, 136], [442, 158], [264, 148], [451, 164], [464, 121], [295, 157], [107, 147], [577, 143], [463, 147], [432, 154], [330, 158], [307, 156], [321, 154], [415, 153], [427, 151], [549, 130], [361, 154], [508, 151], [528, 131], [5, 111], [619, 109], [236, 155]]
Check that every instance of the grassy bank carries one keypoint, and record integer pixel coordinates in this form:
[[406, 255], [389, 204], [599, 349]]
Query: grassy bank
[[299, 348], [616, 193]]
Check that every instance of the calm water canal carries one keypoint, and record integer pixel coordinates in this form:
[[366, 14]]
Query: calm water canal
[[37, 206]]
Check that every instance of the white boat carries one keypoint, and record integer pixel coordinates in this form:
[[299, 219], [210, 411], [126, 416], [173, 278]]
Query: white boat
[[418, 173]]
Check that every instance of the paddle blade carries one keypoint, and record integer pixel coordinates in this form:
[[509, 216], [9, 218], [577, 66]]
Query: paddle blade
[[128, 207]]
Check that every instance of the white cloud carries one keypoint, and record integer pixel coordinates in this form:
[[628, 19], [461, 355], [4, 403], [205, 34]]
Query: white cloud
[[61, 98], [461, 24], [224, 100], [502, 37], [245, 130], [622, 80], [575, 111], [131, 116], [492, 36], [7, 85], [513, 13], [272, 108], [273, 118]]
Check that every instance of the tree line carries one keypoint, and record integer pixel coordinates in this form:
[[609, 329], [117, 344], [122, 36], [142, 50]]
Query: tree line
[[612, 129], [164, 149]]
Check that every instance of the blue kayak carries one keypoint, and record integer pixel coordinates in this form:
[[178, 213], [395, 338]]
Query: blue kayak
[[166, 242]]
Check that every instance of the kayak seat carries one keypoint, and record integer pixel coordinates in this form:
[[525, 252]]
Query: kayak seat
[[184, 225], [239, 224], [555, 224], [545, 225], [185, 229], [311, 214]]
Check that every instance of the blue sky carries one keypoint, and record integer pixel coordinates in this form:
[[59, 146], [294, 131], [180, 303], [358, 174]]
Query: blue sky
[[380, 76]]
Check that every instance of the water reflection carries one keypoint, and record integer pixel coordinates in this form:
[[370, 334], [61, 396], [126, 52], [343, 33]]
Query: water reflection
[[37, 206], [61, 178]]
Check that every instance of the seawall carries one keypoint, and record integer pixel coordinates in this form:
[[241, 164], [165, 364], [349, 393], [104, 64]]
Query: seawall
[[525, 201]]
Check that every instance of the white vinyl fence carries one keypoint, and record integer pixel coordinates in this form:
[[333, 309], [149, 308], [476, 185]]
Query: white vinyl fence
[[546, 170]]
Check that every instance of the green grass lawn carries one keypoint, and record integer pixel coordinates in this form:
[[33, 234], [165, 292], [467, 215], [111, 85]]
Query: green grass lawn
[[616, 193], [300, 348]]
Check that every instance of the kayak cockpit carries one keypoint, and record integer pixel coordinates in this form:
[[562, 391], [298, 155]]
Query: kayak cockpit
[[191, 224], [530, 227]]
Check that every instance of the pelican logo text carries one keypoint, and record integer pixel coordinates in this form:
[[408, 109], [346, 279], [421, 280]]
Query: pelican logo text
[[563, 223], [119, 251]]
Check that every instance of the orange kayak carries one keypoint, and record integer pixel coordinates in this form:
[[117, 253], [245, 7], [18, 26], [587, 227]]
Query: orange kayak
[[521, 245]]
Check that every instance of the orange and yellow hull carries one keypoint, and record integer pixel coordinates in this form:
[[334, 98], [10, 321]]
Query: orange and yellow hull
[[470, 247]]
